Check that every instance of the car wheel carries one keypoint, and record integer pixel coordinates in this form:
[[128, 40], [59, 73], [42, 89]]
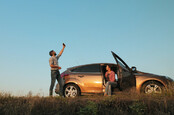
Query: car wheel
[[152, 87], [71, 90]]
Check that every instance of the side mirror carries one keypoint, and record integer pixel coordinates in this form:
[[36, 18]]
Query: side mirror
[[133, 69]]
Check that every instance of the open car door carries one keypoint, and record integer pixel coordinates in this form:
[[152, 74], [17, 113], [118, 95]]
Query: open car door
[[124, 73]]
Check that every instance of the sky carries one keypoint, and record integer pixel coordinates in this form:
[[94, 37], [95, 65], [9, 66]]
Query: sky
[[141, 32]]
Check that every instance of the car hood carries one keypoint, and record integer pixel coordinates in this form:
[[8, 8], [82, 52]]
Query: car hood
[[139, 73]]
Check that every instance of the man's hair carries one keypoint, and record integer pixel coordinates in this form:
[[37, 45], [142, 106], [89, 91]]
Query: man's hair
[[50, 53]]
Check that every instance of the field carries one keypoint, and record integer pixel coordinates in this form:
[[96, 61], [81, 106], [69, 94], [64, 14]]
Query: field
[[123, 103]]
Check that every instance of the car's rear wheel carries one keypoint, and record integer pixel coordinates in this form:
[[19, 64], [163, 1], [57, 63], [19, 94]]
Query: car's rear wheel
[[152, 87], [71, 90]]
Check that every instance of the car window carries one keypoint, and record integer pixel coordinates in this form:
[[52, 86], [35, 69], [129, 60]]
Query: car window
[[121, 64], [87, 68]]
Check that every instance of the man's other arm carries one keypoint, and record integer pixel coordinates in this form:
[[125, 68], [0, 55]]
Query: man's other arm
[[55, 66]]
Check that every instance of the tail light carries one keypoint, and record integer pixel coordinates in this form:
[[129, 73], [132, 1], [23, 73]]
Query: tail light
[[64, 75]]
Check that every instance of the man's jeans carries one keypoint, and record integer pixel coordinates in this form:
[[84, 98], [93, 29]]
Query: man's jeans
[[55, 74], [108, 87]]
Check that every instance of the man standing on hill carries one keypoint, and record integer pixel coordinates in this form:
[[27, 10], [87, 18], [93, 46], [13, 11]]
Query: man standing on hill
[[55, 74]]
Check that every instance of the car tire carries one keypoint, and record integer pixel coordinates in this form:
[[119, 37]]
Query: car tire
[[71, 90], [152, 87]]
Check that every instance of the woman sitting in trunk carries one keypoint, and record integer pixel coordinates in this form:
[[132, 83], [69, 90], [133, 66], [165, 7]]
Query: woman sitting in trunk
[[110, 76]]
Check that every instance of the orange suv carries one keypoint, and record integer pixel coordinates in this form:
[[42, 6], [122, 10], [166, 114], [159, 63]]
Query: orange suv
[[90, 79]]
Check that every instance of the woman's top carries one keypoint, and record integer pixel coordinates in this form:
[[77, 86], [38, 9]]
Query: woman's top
[[110, 76]]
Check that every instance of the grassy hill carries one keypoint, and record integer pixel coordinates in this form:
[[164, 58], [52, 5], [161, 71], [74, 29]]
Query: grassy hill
[[123, 103]]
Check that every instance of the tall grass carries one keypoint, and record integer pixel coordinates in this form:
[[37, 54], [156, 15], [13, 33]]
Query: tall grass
[[123, 103]]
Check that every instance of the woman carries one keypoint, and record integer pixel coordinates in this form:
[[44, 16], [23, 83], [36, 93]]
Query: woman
[[110, 76]]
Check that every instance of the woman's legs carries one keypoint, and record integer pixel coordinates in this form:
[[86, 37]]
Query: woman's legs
[[108, 87]]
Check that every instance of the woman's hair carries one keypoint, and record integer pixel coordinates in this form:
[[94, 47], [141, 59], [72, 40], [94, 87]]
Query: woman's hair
[[50, 53], [109, 66]]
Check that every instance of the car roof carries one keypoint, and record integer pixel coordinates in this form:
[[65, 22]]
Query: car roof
[[92, 64]]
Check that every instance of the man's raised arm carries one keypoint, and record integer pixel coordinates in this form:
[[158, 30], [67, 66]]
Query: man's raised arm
[[60, 53]]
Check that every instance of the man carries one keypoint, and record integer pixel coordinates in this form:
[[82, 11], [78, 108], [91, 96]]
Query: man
[[55, 74]]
